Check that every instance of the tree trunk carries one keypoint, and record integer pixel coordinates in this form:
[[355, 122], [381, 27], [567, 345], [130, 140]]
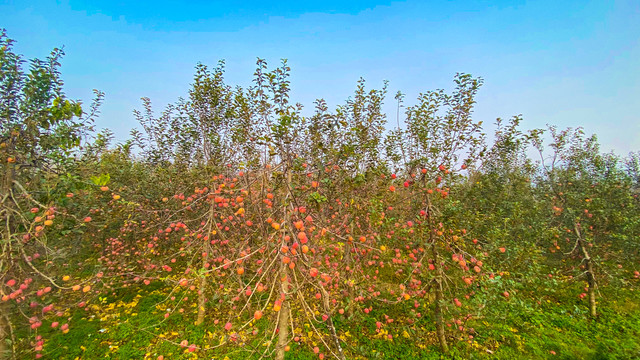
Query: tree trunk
[[5, 350], [283, 316], [202, 298], [592, 289], [591, 280], [437, 310]]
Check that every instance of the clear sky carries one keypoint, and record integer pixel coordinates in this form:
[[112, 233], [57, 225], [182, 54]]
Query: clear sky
[[568, 63]]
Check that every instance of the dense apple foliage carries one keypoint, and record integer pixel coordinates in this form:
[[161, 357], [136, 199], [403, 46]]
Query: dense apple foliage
[[254, 231]]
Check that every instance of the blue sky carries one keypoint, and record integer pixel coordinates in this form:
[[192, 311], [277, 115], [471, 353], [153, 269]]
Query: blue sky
[[568, 63]]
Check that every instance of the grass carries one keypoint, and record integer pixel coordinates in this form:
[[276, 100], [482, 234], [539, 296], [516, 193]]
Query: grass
[[128, 325]]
